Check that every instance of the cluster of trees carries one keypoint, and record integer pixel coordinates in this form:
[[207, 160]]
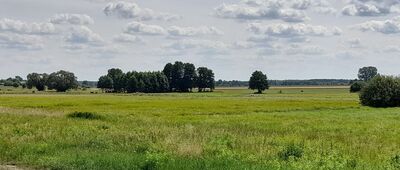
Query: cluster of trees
[[184, 77], [147, 82], [13, 82], [179, 77], [365, 74], [60, 81]]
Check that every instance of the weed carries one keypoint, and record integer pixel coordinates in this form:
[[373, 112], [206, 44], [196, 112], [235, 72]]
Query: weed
[[85, 115]]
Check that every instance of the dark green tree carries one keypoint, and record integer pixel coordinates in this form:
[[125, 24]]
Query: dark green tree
[[62, 81], [189, 77], [105, 82], [205, 79], [168, 73], [367, 73], [178, 72], [118, 77], [258, 81], [36, 80]]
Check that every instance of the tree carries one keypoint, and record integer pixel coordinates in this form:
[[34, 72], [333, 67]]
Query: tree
[[178, 72], [367, 73], [36, 80], [105, 82], [118, 77], [189, 77], [205, 79], [168, 73], [381, 91], [62, 81], [258, 81]]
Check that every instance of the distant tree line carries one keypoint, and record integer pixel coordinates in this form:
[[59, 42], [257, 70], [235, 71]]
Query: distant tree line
[[60, 81], [176, 77], [17, 81], [312, 82]]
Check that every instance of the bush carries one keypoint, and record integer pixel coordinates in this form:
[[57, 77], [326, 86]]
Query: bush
[[84, 115], [357, 86], [381, 91], [291, 151]]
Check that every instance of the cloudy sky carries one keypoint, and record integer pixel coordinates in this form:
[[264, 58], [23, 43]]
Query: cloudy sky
[[287, 39]]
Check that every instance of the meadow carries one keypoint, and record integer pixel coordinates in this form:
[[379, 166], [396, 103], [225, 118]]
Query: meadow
[[285, 128]]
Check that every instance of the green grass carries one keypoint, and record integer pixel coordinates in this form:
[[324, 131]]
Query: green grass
[[319, 128]]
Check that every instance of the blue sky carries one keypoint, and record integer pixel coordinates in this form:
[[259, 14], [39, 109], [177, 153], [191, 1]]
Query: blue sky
[[287, 39]]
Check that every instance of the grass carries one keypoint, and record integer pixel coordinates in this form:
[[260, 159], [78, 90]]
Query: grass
[[287, 128]]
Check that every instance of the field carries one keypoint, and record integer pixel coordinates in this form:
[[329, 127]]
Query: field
[[286, 128]]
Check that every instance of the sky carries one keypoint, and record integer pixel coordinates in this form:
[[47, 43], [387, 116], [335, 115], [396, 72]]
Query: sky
[[286, 39]]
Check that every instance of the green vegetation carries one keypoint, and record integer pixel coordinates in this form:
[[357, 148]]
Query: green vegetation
[[381, 91], [286, 128]]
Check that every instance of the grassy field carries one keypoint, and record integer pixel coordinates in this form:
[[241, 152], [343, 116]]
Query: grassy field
[[286, 128]]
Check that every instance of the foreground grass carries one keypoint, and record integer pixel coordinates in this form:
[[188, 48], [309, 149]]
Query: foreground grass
[[229, 129]]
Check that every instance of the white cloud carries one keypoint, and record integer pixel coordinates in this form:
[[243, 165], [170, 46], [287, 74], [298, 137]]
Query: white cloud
[[127, 38], [83, 35], [390, 26], [370, 7], [193, 31], [285, 10], [240, 11], [290, 30], [140, 28], [361, 10], [129, 10], [21, 42], [75, 19], [21, 27]]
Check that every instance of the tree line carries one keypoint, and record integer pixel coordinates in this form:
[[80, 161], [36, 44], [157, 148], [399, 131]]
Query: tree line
[[311, 82], [175, 77], [61, 81]]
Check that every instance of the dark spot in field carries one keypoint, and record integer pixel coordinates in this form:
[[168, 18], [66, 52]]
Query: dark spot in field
[[85, 115], [395, 161], [291, 151]]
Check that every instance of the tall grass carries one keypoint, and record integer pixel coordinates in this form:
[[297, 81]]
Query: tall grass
[[228, 129]]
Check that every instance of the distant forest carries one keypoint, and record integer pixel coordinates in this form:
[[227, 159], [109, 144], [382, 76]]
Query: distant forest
[[237, 83]]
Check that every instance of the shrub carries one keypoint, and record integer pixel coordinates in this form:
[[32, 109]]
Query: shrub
[[381, 91], [357, 86], [84, 115], [395, 161], [291, 151]]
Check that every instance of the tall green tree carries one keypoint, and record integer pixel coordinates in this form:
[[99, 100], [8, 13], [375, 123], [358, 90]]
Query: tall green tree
[[205, 79], [62, 81], [105, 82], [119, 80], [178, 72], [189, 77], [168, 73], [258, 81], [36, 80], [367, 73]]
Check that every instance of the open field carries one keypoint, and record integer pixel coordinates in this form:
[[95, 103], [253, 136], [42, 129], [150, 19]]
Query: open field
[[286, 128]]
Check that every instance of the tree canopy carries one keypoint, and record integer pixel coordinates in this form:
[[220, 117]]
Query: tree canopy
[[258, 81], [367, 73]]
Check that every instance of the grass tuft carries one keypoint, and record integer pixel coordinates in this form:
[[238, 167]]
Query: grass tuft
[[84, 115], [291, 151]]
